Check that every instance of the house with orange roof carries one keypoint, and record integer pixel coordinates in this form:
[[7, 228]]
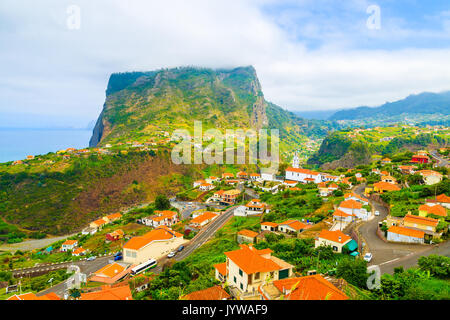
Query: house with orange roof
[[407, 169], [354, 207], [221, 271], [434, 209], [110, 273], [213, 293], [98, 224], [441, 199], [115, 235], [248, 268], [69, 245], [336, 239], [255, 207], [242, 175], [255, 176], [313, 287], [421, 223], [342, 216], [108, 292], [303, 175], [203, 219], [152, 245], [430, 177], [386, 161], [347, 181], [206, 186], [402, 234], [382, 187], [227, 175], [293, 227], [161, 218], [213, 179], [269, 226], [356, 197], [198, 183], [32, 296], [389, 179], [246, 236], [79, 252], [113, 217]]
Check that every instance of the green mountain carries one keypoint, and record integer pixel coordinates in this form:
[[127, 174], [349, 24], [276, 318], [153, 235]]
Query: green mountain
[[140, 104], [420, 104]]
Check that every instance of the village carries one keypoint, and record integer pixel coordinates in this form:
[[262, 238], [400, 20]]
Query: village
[[130, 248]]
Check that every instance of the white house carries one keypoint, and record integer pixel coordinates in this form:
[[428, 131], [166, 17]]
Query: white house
[[356, 197], [354, 207], [303, 175], [69, 245], [402, 234]]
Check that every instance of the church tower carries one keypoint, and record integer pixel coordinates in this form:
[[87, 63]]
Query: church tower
[[296, 161]]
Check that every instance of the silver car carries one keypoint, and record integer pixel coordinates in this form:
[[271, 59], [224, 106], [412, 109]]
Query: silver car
[[368, 257]]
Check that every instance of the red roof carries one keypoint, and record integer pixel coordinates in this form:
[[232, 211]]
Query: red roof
[[250, 260], [213, 293], [334, 236], [313, 287]]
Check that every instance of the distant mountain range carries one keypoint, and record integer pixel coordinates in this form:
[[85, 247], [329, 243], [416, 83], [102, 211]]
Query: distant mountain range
[[423, 103]]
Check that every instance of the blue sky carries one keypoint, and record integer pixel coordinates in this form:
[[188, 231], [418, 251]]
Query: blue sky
[[309, 55]]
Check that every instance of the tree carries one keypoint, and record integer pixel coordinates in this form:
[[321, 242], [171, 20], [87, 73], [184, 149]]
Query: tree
[[353, 271], [162, 203], [438, 266]]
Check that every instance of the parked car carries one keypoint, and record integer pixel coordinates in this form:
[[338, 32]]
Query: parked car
[[91, 258], [377, 213], [118, 256], [180, 248], [172, 254], [368, 257]]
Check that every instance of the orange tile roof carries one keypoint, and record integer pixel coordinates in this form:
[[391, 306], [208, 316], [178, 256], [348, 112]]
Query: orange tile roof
[[248, 233], [407, 232], [99, 222], [436, 209], [69, 242], [213, 293], [313, 287], [334, 236], [340, 213], [109, 293], [270, 224], [290, 182], [204, 217], [354, 195], [421, 220], [295, 224], [350, 204], [386, 186], [443, 198], [222, 268], [32, 296], [251, 261], [110, 270], [255, 175], [78, 251], [160, 233], [429, 173], [114, 216]]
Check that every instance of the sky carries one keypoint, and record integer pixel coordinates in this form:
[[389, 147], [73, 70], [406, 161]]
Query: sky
[[56, 56]]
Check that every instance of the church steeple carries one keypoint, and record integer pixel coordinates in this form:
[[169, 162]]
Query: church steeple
[[296, 161]]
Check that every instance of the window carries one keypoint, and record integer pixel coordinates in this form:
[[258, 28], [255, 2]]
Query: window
[[242, 286], [240, 272], [235, 280], [335, 248], [257, 276]]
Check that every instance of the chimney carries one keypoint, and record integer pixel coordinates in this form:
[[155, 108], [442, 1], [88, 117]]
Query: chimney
[[340, 239]]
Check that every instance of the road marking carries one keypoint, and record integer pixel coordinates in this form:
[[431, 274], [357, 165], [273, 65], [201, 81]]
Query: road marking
[[389, 261]]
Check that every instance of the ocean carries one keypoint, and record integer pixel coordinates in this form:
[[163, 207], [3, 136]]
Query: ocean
[[16, 144]]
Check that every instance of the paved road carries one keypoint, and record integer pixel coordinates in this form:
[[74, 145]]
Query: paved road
[[200, 238], [87, 267], [390, 255], [441, 161]]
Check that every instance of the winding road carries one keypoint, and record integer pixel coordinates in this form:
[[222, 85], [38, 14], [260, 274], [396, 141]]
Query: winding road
[[388, 255]]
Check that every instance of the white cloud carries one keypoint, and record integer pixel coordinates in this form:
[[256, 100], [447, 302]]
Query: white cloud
[[46, 68]]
